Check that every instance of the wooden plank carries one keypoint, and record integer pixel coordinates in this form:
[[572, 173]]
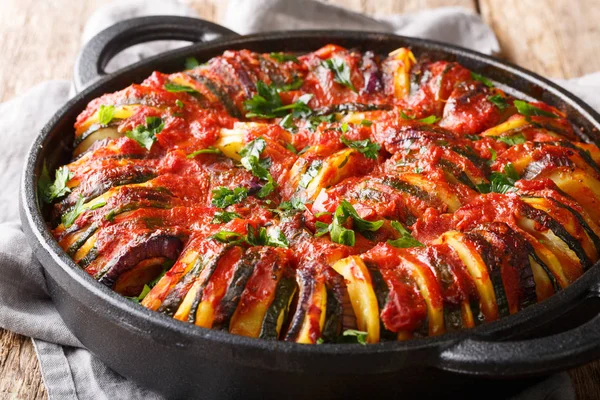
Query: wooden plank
[[557, 38], [19, 369]]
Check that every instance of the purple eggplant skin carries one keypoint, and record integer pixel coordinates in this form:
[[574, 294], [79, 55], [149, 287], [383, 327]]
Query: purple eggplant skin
[[148, 245]]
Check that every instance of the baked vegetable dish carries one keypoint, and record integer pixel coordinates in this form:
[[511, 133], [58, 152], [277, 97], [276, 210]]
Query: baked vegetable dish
[[336, 196]]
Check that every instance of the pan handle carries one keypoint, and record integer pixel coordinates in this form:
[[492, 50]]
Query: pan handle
[[519, 358], [96, 53]]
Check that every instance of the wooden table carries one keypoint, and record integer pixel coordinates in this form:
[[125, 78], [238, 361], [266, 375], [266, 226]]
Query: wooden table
[[39, 41]]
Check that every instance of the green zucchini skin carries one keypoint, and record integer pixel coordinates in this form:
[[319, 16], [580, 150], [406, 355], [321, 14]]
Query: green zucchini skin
[[494, 270], [550, 223], [173, 300], [242, 272], [382, 292], [459, 174], [89, 257], [333, 319], [595, 239], [285, 290], [218, 92], [514, 249], [406, 187], [82, 239]]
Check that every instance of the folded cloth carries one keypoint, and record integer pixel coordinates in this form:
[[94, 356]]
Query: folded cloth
[[70, 371]]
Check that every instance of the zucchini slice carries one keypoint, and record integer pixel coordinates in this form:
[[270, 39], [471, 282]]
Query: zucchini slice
[[277, 312], [362, 296], [131, 283], [204, 313], [309, 319], [510, 251], [555, 237], [241, 274], [473, 261], [572, 222], [580, 185], [330, 171], [248, 318], [88, 140], [195, 282], [429, 288], [435, 194]]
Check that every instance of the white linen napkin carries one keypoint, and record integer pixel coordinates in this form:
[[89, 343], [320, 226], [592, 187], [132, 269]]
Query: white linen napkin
[[70, 371]]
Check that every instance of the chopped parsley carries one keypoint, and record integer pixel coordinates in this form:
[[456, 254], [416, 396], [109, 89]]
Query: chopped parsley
[[282, 57], [259, 167], [482, 79], [50, 191], [501, 182], [406, 239], [69, 218], [311, 172], [224, 197], [222, 217], [295, 85], [366, 122], [353, 336], [295, 203], [145, 135], [175, 88], [341, 72], [339, 233], [266, 103], [191, 63], [529, 110], [291, 148], [498, 101], [512, 140], [494, 155], [287, 123], [432, 119], [106, 114], [366, 147], [142, 295], [208, 150], [179, 103], [262, 236]]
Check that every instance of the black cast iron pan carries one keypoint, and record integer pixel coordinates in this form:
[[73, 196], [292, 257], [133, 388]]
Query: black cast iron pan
[[182, 360]]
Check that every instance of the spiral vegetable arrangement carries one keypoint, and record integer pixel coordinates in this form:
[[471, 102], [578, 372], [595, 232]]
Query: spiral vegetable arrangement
[[337, 196]]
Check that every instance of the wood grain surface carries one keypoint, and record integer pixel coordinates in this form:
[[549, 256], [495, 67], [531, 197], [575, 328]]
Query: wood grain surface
[[40, 39]]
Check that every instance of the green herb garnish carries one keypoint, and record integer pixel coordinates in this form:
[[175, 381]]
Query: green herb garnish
[[482, 79], [105, 114], [432, 119], [191, 63], [145, 135], [69, 218], [353, 336], [179, 103], [339, 233], [311, 172], [498, 101], [282, 57], [175, 88], [501, 182], [512, 140], [341, 72], [224, 197], [529, 110], [223, 217], [406, 239], [209, 150], [366, 147], [51, 191], [259, 167]]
